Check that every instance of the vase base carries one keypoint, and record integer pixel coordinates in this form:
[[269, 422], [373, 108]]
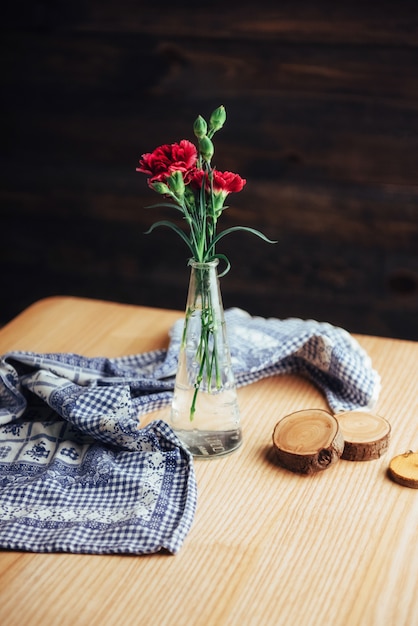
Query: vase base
[[209, 444]]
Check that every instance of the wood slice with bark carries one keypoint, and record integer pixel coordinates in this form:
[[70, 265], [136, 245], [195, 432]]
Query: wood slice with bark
[[403, 469], [366, 436], [308, 441]]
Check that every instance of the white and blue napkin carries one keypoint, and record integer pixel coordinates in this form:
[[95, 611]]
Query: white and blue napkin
[[325, 354], [78, 475]]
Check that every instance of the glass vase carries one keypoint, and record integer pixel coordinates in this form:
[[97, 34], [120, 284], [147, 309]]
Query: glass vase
[[204, 412]]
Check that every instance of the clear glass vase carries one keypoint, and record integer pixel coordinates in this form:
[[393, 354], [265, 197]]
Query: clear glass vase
[[205, 413]]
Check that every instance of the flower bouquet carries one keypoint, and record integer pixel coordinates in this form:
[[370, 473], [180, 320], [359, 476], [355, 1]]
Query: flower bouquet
[[205, 389]]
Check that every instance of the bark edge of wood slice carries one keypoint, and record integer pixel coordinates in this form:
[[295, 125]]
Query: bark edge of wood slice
[[403, 469], [308, 441], [366, 435]]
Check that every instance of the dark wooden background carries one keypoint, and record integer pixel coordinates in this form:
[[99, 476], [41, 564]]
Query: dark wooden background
[[322, 104]]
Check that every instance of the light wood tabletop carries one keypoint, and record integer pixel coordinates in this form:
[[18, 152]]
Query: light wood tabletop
[[267, 546]]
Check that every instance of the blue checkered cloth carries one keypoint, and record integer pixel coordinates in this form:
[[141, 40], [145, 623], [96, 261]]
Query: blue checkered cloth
[[325, 354], [76, 472]]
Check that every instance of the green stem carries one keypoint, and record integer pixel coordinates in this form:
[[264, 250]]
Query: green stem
[[207, 349]]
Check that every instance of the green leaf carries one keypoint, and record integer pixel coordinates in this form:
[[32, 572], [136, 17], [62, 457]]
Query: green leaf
[[228, 264], [233, 229], [176, 229]]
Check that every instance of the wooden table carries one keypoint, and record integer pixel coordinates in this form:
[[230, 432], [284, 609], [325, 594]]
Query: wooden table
[[267, 546]]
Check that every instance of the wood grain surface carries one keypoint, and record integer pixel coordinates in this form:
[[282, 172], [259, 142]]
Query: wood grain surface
[[268, 547]]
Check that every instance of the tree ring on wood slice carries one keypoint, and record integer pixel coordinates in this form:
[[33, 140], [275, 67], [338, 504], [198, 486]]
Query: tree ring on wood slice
[[308, 441], [403, 469], [366, 436]]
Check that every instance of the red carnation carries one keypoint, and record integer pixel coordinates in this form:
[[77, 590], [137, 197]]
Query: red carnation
[[227, 182], [223, 182], [196, 179], [167, 159]]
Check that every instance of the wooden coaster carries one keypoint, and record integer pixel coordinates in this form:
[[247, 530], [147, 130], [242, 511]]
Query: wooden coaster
[[366, 436], [403, 469], [308, 441]]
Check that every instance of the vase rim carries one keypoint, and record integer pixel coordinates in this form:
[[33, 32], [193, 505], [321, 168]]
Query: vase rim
[[202, 264]]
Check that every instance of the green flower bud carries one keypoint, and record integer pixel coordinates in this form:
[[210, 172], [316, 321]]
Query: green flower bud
[[206, 149], [160, 188], [176, 183], [200, 128], [218, 203], [217, 119], [189, 197]]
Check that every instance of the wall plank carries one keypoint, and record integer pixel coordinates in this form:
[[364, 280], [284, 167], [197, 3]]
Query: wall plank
[[322, 106]]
